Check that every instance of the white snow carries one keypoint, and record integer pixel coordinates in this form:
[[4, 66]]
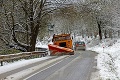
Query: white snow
[[40, 45], [108, 59], [19, 64]]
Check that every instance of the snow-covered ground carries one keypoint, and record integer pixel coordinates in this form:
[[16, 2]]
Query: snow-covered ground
[[41, 45], [108, 59]]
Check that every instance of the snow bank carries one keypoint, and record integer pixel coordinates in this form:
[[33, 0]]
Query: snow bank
[[18, 64], [108, 59]]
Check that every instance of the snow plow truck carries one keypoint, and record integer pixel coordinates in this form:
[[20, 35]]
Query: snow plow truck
[[62, 45]]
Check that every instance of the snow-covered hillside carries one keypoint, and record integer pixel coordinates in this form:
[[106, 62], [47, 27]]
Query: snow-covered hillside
[[108, 59]]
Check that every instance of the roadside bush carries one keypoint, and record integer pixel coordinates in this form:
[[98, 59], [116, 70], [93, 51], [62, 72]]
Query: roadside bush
[[9, 51]]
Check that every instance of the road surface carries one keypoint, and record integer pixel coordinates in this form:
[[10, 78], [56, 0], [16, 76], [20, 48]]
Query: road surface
[[76, 67], [71, 67]]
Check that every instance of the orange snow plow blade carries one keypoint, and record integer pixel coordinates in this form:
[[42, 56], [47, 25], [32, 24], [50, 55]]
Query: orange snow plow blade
[[57, 50]]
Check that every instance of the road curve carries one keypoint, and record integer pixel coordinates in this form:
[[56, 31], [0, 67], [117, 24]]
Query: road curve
[[77, 67]]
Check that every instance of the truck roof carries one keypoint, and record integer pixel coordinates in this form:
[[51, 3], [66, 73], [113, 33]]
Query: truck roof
[[61, 35]]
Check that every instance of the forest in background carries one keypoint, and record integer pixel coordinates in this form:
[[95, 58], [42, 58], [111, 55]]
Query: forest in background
[[25, 21]]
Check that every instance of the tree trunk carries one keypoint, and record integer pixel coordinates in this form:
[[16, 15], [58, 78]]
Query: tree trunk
[[32, 43], [32, 34], [34, 37], [82, 33], [99, 30], [26, 16], [105, 34]]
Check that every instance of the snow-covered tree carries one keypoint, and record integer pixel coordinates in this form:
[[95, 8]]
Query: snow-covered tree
[[25, 18]]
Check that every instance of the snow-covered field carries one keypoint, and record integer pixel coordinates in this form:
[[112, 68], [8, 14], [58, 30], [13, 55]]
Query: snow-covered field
[[108, 59]]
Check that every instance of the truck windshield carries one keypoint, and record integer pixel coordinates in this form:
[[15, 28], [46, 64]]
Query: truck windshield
[[62, 38]]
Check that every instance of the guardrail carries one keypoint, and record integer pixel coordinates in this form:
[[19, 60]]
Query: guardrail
[[23, 55]]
